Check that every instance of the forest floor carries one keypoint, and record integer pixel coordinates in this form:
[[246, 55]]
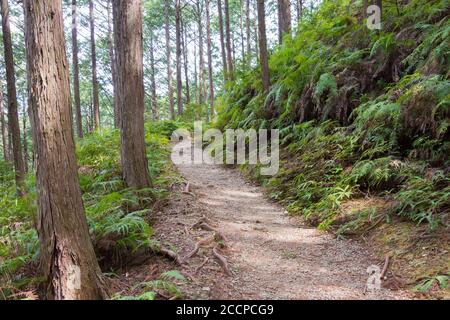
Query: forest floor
[[269, 254]]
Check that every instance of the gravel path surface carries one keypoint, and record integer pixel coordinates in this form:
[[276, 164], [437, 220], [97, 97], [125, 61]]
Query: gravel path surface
[[271, 254]]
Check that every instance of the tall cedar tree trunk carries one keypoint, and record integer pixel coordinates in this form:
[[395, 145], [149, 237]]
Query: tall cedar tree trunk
[[228, 41], [169, 61], [284, 19], [222, 40], [247, 27], [210, 62], [241, 26], [130, 72], [152, 79], [94, 67], [76, 72], [10, 147], [299, 10], [68, 261], [256, 30], [178, 55], [263, 55], [113, 64], [185, 60], [233, 46], [5, 140], [13, 118], [92, 116], [195, 63], [24, 130], [201, 85]]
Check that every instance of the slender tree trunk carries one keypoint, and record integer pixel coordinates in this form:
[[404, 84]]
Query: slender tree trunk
[[24, 130], [201, 57], [13, 118], [228, 41], [280, 21], [195, 66], [5, 140], [299, 10], [222, 41], [113, 64], [264, 58], [241, 27], [284, 19], [68, 260], [178, 55], [129, 53], [256, 30], [88, 121], [233, 48], [92, 116], [210, 62], [76, 76], [10, 147], [152, 79], [169, 61], [94, 67], [247, 27], [185, 60]]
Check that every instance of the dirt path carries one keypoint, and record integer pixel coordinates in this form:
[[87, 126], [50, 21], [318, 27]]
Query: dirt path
[[272, 256]]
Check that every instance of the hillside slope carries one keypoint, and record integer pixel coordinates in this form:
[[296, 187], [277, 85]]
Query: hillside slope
[[364, 120]]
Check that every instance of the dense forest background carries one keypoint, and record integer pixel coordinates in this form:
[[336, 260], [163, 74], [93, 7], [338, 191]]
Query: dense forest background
[[363, 117]]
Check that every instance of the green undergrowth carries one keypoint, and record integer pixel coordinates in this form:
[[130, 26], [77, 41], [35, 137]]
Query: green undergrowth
[[166, 286], [362, 114], [118, 217]]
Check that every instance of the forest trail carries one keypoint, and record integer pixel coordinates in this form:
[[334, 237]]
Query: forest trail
[[271, 254]]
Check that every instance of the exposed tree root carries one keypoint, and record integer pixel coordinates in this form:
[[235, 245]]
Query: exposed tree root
[[200, 221], [197, 248], [222, 261], [187, 190], [171, 255], [201, 265], [385, 268], [219, 236]]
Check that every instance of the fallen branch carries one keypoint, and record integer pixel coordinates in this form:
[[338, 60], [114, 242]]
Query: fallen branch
[[222, 261]]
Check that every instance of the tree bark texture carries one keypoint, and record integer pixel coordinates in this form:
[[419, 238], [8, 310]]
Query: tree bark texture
[[130, 72], [68, 261]]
